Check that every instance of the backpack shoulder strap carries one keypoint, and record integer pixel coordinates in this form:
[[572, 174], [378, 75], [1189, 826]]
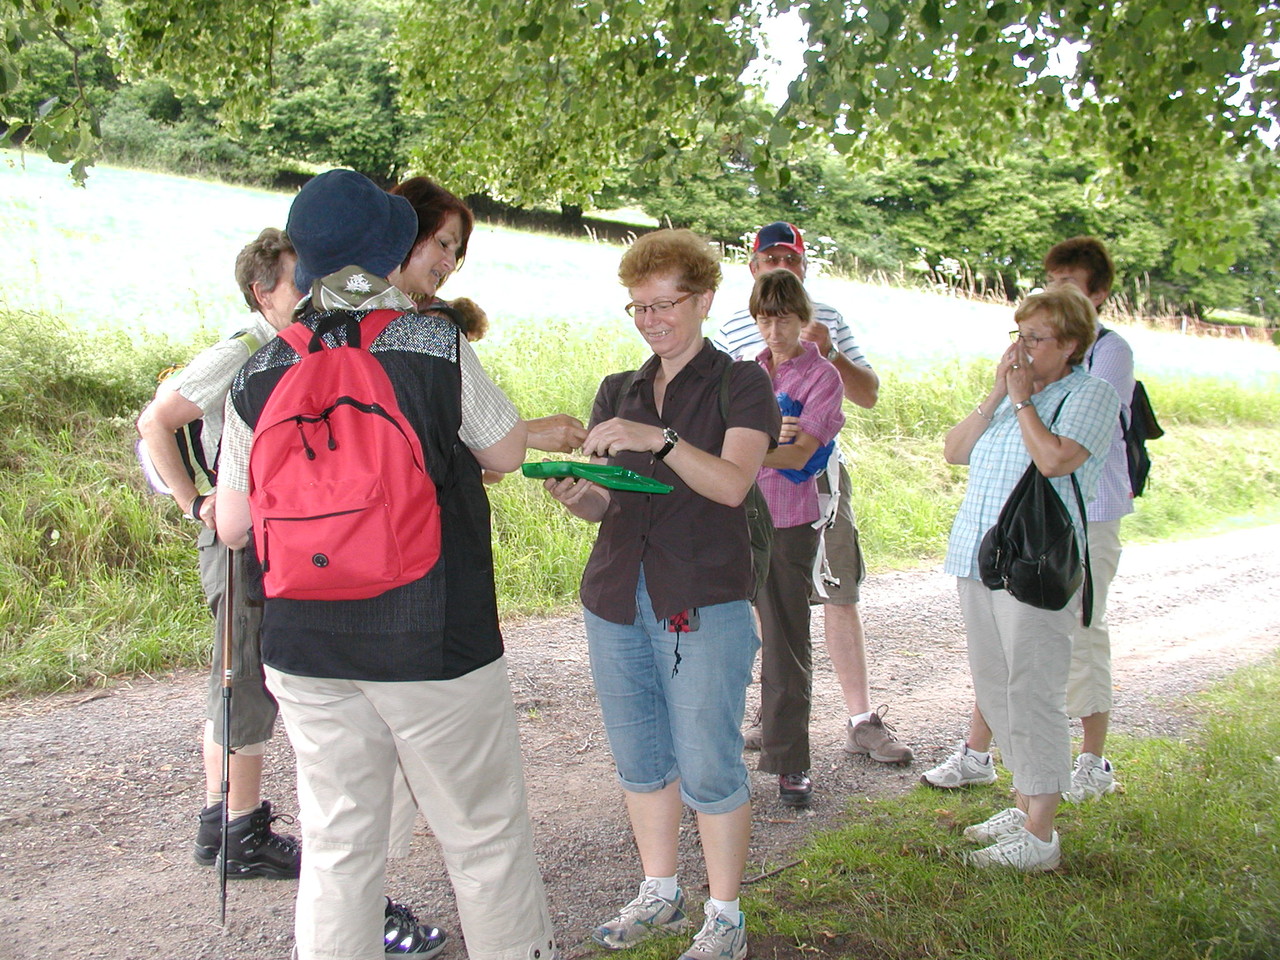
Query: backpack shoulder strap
[[298, 336], [724, 391]]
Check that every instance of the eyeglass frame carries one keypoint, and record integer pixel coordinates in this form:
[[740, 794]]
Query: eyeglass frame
[[774, 260], [633, 308], [1030, 339]]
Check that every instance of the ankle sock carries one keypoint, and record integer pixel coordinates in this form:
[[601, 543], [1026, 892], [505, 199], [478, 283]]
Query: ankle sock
[[855, 720], [237, 814], [665, 887], [982, 756], [728, 909], [212, 799]]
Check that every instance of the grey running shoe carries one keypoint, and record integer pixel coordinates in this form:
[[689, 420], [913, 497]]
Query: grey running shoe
[[1092, 779], [994, 828], [874, 738], [961, 769], [1019, 851], [718, 939], [645, 916]]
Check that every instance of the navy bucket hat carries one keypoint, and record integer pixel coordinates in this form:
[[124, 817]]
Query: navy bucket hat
[[342, 218]]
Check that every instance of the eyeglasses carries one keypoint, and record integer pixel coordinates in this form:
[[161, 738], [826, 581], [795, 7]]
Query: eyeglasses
[[778, 260], [1029, 339], [658, 306]]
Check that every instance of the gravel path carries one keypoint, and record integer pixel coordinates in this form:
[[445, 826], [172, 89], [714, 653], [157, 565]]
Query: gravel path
[[98, 790]]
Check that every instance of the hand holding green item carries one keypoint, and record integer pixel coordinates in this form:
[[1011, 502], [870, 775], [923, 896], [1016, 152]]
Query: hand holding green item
[[607, 475]]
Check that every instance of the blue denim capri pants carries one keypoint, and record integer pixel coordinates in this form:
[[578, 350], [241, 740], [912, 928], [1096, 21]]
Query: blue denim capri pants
[[667, 723]]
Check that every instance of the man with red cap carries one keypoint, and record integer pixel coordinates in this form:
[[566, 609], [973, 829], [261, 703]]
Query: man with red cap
[[780, 246]]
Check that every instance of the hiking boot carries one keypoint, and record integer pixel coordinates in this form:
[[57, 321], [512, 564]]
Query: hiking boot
[[795, 789], [874, 738], [404, 936], [961, 769], [994, 828], [753, 737], [645, 916], [253, 848], [719, 939], [1092, 778], [1021, 850]]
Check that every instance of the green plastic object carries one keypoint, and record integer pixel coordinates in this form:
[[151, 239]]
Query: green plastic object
[[607, 475]]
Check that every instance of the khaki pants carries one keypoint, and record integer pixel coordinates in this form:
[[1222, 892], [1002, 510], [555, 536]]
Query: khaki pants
[[1089, 688], [457, 744], [1019, 657]]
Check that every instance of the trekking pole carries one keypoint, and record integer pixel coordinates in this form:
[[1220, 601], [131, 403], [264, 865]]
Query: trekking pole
[[228, 634]]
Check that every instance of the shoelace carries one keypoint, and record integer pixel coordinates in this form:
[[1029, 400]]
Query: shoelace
[[710, 932], [889, 729], [267, 837]]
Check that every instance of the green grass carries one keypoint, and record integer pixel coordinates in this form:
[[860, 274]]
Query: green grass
[[98, 577], [1184, 866]]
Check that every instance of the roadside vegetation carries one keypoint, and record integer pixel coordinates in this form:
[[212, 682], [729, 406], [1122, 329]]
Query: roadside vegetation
[[98, 576], [1185, 865]]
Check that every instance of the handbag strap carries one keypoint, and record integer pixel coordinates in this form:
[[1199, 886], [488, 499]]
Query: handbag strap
[[1086, 594]]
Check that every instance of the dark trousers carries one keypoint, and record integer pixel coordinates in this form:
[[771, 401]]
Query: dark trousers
[[786, 654]]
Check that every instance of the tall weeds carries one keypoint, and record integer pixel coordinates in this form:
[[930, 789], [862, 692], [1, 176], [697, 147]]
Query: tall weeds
[[98, 576]]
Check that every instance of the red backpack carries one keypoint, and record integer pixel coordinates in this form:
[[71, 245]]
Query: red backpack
[[343, 507]]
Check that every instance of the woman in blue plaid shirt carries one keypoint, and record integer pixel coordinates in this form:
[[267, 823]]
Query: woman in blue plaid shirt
[[1042, 408]]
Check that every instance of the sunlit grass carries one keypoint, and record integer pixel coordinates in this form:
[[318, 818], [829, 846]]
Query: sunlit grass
[[1184, 865]]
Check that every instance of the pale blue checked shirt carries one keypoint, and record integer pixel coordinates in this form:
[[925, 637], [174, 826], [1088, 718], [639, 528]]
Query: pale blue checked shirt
[[1090, 410]]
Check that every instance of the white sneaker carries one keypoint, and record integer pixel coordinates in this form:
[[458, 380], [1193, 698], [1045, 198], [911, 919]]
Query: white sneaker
[[718, 939], [1001, 825], [648, 914], [1091, 779], [1022, 850], [961, 769]]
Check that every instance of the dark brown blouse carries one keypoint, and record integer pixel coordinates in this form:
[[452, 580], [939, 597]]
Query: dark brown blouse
[[695, 552]]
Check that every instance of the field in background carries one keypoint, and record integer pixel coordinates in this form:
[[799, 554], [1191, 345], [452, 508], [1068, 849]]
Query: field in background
[[150, 252]]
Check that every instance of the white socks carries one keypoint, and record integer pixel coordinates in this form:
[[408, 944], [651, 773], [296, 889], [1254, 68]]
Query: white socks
[[665, 887], [728, 909]]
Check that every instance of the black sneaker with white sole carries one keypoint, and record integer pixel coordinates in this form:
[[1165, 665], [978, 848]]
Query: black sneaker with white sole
[[406, 937]]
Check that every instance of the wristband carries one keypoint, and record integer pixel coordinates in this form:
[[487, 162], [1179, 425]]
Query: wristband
[[196, 504]]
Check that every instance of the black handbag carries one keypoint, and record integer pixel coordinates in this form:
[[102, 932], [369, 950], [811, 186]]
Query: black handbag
[[1032, 550]]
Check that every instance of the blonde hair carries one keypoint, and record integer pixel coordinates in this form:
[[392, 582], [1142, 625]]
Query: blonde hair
[[681, 253], [1068, 311]]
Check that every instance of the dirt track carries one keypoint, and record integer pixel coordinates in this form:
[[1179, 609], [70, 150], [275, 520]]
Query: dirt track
[[98, 790]]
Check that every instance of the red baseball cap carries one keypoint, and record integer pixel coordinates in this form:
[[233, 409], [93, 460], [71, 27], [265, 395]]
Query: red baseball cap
[[780, 234]]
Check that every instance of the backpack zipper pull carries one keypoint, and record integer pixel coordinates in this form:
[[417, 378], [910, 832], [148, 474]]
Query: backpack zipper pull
[[311, 454]]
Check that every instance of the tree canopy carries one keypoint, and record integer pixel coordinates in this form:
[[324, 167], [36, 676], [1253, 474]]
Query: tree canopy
[[543, 99]]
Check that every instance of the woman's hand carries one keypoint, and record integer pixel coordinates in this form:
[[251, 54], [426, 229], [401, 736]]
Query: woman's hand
[[611, 437], [558, 433], [584, 499], [790, 430], [1016, 373]]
